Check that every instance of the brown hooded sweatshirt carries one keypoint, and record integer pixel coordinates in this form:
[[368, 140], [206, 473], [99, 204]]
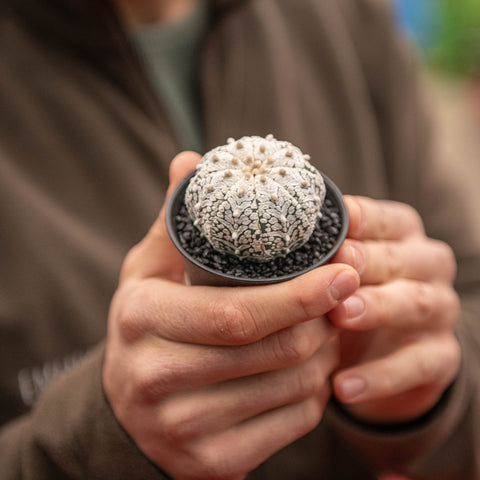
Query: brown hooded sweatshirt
[[84, 152]]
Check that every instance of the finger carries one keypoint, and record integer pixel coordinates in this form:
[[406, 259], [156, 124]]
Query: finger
[[249, 444], [381, 219], [156, 255], [161, 368], [432, 360], [382, 261], [220, 406], [402, 304], [230, 316]]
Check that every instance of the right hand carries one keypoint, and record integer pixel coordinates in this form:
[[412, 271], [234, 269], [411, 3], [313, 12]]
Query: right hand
[[210, 382]]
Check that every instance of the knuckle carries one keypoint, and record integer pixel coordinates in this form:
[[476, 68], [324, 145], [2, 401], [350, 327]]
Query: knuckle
[[446, 258], [292, 345], [212, 465], [312, 412], [131, 315], [233, 324], [455, 353], [305, 385], [177, 427], [310, 380], [129, 265], [150, 383], [442, 363], [423, 304], [414, 218], [146, 387], [427, 367]]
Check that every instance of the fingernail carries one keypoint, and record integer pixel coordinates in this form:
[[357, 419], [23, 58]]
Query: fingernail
[[356, 213], [354, 308], [358, 258], [352, 387], [343, 285]]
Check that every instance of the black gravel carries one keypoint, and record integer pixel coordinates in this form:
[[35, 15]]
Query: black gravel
[[323, 239]]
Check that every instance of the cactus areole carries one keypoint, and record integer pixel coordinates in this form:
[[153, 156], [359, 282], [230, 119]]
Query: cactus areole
[[255, 198]]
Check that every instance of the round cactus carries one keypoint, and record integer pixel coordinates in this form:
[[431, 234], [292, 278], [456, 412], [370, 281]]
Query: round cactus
[[256, 198]]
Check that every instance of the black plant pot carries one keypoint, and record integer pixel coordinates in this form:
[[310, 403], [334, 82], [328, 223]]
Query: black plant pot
[[204, 266]]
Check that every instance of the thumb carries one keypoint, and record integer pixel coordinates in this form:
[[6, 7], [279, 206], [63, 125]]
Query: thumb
[[180, 167], [155, 255]]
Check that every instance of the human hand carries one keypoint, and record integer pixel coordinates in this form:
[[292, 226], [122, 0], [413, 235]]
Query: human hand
[[209, 382], [398, 349]]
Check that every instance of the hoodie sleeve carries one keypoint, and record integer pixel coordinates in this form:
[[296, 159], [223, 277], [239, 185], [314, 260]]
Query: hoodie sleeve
[[72, 434]]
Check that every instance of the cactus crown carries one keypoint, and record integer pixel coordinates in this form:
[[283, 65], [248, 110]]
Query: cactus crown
[[256, 198]]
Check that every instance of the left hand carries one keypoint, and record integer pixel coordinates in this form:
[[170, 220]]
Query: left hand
[[398, 348]]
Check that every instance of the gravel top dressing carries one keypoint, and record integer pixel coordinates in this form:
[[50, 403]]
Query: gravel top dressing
[[323, 239]]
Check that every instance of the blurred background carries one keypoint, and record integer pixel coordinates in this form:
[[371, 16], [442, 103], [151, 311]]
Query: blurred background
[[446, 34]]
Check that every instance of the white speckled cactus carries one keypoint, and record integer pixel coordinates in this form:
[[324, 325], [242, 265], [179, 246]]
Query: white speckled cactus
[[256, 198]]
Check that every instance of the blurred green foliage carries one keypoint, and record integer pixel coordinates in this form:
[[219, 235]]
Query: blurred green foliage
[[456, 47]]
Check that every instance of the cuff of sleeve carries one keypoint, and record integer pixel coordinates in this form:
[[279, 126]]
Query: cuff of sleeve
[[78, 431], [402, 447]]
